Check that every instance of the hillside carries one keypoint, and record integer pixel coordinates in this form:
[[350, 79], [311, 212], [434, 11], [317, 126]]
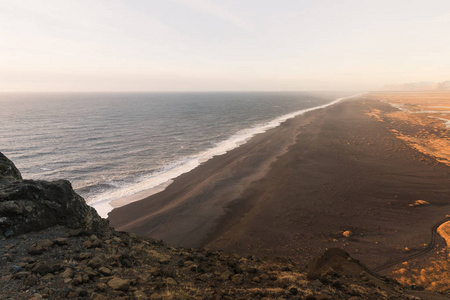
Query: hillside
[[55, 246]]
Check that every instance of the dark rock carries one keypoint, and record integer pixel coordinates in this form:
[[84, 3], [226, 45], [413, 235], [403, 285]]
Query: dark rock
[[225, 275], [101, 287], [42, 268], [90, 273], [68, 273], [66, 291], [83, 256], [99, 297], [33, 205], [72, 295], [4, 221], [96, 244], [61, 241], [8, 171], [22, 274], [9, 208], [237, 279], [58, 267], [9, 233], [117, 283], [31, 280], [15, 269], [35, 249], [76, 232], [77, 280], [95, 262], [335, 260], [105, 271], [29, 260], [126, 263], [45, 243], [87, 244]]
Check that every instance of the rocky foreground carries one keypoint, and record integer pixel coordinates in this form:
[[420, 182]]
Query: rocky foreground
[[54, 246]]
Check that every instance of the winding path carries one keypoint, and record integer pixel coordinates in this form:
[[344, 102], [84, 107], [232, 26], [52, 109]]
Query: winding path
[[430, 247]]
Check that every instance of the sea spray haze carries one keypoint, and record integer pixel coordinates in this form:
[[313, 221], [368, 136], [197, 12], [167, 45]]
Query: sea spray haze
[[115, 145]]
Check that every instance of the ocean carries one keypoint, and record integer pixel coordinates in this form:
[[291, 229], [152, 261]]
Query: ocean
[[116, 145]]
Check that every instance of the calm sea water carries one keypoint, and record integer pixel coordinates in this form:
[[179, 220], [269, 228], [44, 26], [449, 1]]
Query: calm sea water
[[115, 145]]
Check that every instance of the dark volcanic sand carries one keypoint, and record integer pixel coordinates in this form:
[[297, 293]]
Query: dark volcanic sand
[[293, 190]]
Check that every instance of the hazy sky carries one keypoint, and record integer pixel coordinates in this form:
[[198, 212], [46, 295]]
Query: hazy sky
[[232, 45]]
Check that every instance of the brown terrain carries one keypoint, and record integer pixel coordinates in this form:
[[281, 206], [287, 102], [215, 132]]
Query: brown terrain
[[54, 246], [429, 112], [268, 220], [348, 176]]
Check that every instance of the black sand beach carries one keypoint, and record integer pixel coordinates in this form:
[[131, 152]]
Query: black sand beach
[[293, 190]]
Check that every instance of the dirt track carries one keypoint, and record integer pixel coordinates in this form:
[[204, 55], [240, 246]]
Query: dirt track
[[430, 247]]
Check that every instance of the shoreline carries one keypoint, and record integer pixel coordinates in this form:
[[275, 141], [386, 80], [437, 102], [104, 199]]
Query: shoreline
[[294, 189], [219, 174], [104, 207]]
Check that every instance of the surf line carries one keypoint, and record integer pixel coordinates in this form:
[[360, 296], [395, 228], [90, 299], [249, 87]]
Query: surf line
[[147, 187]]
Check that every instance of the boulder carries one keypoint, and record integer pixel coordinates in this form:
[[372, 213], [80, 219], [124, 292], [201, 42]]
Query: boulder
[[335, 261], [95, 262], [43, 268], [33, 205], [419, 203], [8, 171], [347, 233], [117, 283]]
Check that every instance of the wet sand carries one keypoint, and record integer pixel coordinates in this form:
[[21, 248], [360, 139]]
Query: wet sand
[[293, 190]]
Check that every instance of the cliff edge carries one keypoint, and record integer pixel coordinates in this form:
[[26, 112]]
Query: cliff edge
[[31, 205]]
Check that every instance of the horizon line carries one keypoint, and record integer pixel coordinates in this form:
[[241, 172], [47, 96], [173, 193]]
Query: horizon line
[[187, 91]]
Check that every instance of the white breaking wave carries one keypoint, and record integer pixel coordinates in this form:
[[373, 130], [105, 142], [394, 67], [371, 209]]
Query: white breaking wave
[[159, 180]]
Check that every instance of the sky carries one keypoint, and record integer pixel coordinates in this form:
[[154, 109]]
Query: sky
[[212, 45]]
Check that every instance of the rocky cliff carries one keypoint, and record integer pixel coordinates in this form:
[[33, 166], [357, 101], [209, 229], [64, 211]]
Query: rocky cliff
[[30, 205], [54, 246], [8, 171]]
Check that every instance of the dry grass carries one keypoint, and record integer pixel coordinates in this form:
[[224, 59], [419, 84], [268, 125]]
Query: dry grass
[[428, 113], [434, 277]]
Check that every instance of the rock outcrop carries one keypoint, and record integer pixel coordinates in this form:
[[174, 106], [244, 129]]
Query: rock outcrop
[[30, 205], [8, 171], [335, 261]]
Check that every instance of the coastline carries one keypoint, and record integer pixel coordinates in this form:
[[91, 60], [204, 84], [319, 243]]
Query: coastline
[[294, 189], [163, 180]]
